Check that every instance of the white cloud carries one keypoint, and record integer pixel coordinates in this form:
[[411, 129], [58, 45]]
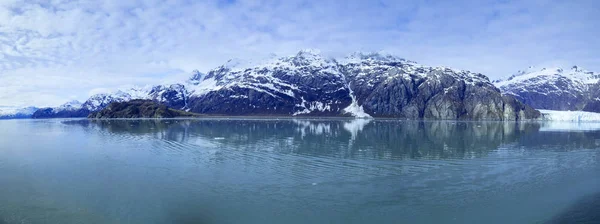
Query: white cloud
[[52, 52]]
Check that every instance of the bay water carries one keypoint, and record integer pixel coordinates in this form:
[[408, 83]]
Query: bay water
[[245, 170]]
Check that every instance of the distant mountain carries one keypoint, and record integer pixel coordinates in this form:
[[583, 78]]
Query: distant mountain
[[16, 113], [139, 109], [309, 84], [554, 88], [174, 96], [69, 109]]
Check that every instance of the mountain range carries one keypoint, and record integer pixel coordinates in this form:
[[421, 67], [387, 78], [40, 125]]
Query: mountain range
[[554, 88], [358, 85], [16, 113], [170, 95]]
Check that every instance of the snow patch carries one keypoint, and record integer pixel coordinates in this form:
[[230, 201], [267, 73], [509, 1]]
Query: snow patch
[[205, 86], [354, 109], [312, 106], [69, 106]]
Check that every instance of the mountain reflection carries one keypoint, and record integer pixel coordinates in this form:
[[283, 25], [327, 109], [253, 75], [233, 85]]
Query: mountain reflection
[[377, 139]]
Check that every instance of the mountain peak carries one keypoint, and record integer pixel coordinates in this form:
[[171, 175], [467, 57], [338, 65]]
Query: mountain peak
[[309, 52], [196, 77], [238, 64], [307, 57], [71, 105], [575, 73], [359, 56], [73, 102]]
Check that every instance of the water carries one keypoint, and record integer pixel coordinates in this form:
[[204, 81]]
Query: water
[[297, 171]]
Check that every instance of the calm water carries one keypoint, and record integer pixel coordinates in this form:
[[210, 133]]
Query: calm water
[[297, 171]]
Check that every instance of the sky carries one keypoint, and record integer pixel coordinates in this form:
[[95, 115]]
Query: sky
[[54, 51]]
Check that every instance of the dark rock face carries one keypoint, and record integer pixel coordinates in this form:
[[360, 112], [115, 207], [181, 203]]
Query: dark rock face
[[401, 89], [592, 106], [520, 111], [593, 102], [138, 109]]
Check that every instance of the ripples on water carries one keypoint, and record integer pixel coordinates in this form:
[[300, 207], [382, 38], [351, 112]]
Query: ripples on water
[[295, 171]]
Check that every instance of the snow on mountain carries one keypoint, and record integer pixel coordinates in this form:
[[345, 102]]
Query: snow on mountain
[[285, 79], [551, 88], [237, 64], [171, 95], [361, 85], [354, 109], [359, 57], [373, 65], [280, 77], [16, 112], [386, 85], [8, 110], [99, 101], [536, 76], [70, 106], [175, 94]]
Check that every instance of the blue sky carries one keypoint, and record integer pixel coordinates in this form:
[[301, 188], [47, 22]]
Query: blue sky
[[54, 52]]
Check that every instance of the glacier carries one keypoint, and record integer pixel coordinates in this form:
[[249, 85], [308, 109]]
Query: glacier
[[570, 116]]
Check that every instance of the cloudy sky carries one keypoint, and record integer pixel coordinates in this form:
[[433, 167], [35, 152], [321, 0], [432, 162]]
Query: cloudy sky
[[52, 51]]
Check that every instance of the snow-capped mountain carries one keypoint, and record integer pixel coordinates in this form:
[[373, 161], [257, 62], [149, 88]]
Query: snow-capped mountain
[[175, 95], [70, 106], [69, 109], [310, 84], [305, 83], [362, 84], [16, 113], [171, 95], [552, 88]]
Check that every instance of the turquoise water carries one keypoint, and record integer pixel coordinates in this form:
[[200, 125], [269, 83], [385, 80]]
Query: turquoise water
[[297, 171]]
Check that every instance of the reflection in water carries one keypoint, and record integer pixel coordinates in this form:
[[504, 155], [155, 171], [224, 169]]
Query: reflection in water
[[293, 171], [377, 139]]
